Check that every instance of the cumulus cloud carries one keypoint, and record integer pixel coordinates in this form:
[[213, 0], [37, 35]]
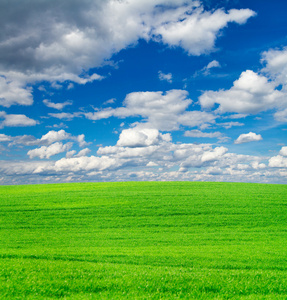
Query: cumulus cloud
[[165, 77], [137, 137], [84, 163], [163, 111], [283, 151], [46, 139], [214, 154], [278, 161], [12, 120], [196, 30], [248, 137], [83, 152], [169, 162], [13, 92], [55, 136], [251, 93], [276, 64], [55, 41], [48, 151], [58, 106]]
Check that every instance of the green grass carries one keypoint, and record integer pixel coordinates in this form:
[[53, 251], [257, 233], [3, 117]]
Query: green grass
[[148, 240]]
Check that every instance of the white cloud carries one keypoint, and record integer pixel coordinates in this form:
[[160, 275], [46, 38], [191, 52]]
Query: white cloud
[[110, 101], [228, 125], [12, 92], [212, 64], [55, 136], [283, 151], [81, 140], [71, 153], [26, 140], [248, 137], [200, 134], [46, 140], [276, 64], [154, 162], [67, 116], [5, 138], [55, 41], [236, 116], [48, 151], [196, 30], [165, 77], [84, 163], [12, 120], [83, 152], [163, 111], [278, 161], [58, 106], [214, 154], [256, 165], [281, 116], [137, 137], [251, 93]]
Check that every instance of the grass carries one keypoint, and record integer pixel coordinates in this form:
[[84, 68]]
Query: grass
[[148, 240]]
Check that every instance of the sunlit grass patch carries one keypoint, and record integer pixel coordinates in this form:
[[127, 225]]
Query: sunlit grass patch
[[151, 240]]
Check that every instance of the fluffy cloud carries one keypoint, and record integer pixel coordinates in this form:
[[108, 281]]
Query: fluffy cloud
[[278, 162], [276, 64], [214, 154], [168, 161], [197, 31], [46, 140], [137, 137], [84, 163], [251, 93], [163, 111], [48, 151], [11, 120], [83, 152], [55, 41], [13, 92], [283, 151], [55, 136], [58, 106], [248, 137]]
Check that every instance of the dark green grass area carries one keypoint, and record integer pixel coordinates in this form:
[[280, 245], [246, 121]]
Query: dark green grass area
[[148, 240]]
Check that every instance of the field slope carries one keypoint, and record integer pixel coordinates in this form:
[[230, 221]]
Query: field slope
[[148, 240]]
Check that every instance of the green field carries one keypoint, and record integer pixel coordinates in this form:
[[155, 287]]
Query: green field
[[148, 240]]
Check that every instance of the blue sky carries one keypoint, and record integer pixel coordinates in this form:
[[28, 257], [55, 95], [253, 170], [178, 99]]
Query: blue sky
[[108, 90]]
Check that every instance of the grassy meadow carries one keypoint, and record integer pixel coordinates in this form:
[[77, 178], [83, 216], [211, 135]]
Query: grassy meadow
[[143, 240]]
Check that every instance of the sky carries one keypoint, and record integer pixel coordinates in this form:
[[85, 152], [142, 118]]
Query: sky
[[143, 90]]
